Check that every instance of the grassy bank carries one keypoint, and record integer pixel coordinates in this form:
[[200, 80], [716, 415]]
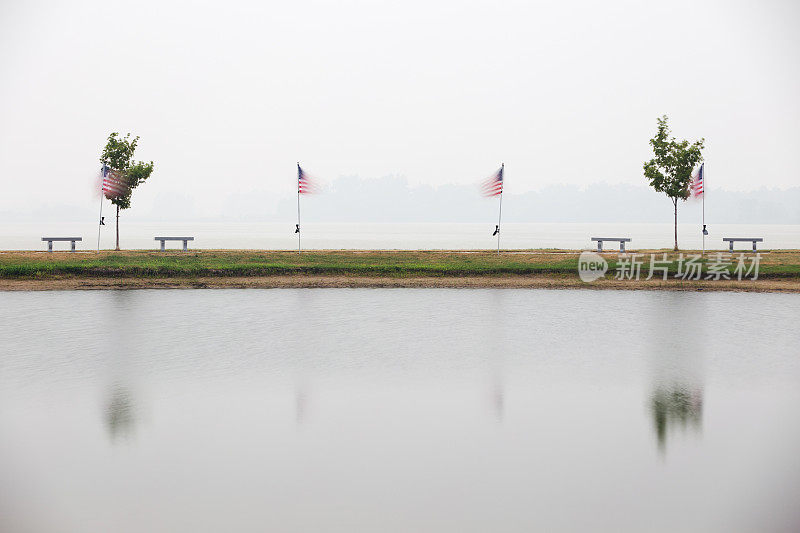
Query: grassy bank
[[258, 263], [335, 268]]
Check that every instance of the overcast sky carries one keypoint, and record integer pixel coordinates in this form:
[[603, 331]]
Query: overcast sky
[[227, 96]]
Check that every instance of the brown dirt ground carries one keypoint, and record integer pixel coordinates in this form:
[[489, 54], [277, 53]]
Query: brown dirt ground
[[476, 282]]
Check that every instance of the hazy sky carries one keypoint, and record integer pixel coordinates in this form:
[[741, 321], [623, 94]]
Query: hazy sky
[[228, 95]]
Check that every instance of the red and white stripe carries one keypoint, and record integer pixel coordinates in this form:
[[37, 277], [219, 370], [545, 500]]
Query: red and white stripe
[[305, 184], [494, 185], [114, 185], [697, 182]]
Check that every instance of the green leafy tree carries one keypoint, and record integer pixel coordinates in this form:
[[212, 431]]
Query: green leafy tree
[[670, 170], [118, 156]]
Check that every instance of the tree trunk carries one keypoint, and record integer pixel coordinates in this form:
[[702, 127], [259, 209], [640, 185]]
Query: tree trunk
[[675, 203], [117, 248]]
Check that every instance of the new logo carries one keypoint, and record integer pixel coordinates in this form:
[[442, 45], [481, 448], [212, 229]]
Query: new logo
[[591, 266]]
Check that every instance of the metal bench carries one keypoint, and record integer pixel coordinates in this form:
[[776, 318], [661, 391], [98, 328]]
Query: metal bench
[[51, 239], [184, 239], [754, 240], [621, 240]]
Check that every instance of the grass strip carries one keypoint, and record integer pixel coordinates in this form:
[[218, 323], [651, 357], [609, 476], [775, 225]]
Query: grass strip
[[247, 263]]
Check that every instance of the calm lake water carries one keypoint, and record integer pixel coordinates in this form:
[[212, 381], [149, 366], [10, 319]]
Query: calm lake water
[[399, 410], [271, 236]]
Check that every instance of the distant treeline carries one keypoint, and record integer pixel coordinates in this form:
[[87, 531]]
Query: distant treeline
[[393, 199]]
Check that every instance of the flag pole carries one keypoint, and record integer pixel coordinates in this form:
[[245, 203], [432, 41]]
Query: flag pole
[[100, 222], [298, 207], [500, 213], [704, 215], [703, 170]]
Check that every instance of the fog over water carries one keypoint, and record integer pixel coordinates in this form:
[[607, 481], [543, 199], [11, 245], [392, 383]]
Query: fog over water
[[227, 98], [377, 236], [395, 200], [398, 410]]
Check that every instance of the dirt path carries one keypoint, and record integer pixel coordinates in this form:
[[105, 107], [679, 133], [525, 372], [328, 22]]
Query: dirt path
[[299, 281]]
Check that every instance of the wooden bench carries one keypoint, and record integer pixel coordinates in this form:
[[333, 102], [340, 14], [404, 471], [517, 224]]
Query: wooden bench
[[621, 240], [51, 239], [184, 239], [731, 240]]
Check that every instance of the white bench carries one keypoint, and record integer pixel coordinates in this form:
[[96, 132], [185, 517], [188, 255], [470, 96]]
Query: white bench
[[731, 240], [621, 240], [51, 239], [184, 239]]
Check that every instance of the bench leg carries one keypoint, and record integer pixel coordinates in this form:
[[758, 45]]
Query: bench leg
[[162, 246], [72, 247], [599, 246], [754, 246], [622, 247], [731, 246], [49, 246], [185, 246]]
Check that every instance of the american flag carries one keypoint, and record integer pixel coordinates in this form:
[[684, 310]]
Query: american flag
[[305, 184], [493, 186], [697, 182], [114, 185]]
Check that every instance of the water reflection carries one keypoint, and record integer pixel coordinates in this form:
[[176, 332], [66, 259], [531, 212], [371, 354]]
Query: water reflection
[[123, 340], [498, 398], [495, 340], [676, 407], [120, 414], [676, 358], [384, 401], [300, 403]]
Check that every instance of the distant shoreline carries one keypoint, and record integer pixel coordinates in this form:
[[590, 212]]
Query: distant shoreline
[[215, 269]]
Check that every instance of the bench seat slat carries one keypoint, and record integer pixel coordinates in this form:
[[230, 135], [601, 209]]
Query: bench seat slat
[[185, 241], [620, 240], [731, 240], [51, 240]]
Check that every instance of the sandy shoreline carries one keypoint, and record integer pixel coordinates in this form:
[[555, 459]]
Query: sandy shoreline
[[471, 282]]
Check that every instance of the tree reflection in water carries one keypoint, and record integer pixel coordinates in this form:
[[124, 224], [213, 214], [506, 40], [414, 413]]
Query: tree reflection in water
[[120, 413], [676, 406], [678, 345]]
